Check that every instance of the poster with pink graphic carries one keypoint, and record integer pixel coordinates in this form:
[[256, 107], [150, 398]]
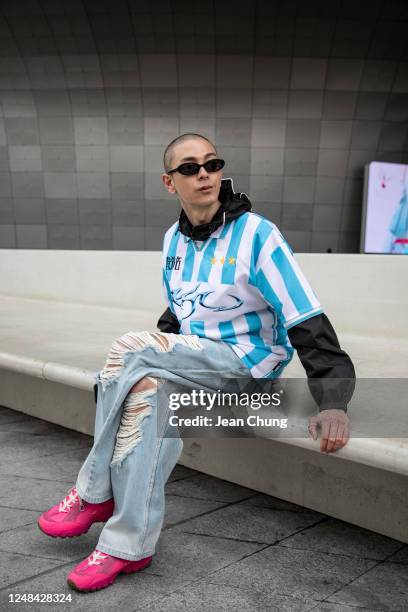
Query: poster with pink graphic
[[385, 209]]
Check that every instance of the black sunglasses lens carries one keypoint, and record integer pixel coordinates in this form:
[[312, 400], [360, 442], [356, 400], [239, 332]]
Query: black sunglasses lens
[[188, 169], [213, 165]]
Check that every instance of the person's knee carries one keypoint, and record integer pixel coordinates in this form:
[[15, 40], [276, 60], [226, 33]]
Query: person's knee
[[137, 341], [143, 384]]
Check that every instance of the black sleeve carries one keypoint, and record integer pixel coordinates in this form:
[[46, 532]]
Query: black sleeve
[[168, 323], [330, 371]]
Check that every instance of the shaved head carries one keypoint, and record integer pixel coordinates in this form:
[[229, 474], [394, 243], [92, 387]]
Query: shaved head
[[170, 149]]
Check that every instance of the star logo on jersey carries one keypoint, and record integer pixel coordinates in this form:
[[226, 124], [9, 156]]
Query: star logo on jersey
[[189, 300], [231, 260]]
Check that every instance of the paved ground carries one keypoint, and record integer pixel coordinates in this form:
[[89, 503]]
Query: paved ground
[[223, 547]]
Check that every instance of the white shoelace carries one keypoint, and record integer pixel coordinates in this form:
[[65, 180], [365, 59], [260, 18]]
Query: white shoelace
[[96, 558], [70, 500]]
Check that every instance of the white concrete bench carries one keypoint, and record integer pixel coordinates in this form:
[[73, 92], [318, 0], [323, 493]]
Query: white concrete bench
[[61, 310]]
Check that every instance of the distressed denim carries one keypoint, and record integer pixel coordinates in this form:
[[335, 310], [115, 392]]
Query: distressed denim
[[136, 474]]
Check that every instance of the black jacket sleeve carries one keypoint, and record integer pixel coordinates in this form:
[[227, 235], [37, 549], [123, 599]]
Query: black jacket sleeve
[[330, 371]]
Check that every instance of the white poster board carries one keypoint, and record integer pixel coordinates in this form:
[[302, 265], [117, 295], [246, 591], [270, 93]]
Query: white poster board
[[384, 226]]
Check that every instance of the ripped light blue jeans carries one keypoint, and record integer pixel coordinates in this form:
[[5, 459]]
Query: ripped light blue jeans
[[131, 458]]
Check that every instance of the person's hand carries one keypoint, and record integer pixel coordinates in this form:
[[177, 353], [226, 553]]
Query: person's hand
[[335, 426]]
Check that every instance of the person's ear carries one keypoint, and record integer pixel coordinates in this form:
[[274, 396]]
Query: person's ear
[[168, 183]]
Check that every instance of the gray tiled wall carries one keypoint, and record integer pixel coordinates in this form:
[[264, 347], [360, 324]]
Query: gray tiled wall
[[298, 96]]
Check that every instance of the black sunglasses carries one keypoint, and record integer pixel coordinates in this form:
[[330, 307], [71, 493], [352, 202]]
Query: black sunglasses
[[190, 168]]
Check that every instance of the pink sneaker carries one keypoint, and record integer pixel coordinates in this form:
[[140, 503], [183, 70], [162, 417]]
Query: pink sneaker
[[99, 570], [73, 516]]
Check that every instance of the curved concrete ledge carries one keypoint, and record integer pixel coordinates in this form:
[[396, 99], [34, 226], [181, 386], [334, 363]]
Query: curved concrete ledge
[[67, 375], [52, 371], [22, 364], [390, 454]]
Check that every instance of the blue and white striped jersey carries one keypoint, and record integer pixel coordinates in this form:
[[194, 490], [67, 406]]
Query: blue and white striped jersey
[[243, 286]]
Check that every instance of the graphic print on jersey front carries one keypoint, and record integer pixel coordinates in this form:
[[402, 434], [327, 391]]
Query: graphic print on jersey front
[[188, 300], [243, 286]]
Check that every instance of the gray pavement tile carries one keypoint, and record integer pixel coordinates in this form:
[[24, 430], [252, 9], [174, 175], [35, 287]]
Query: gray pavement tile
[[181, 508], [401, 556], [207, 487], [250, 523], [7, 415], [268, 501], [333, 536], [204, 596], [332, 607], [40, 427], [23, 446], [181, 471], [14, 567], [181, 556], [31, 493], [384, 587], [59, 467], [10, 518], [32, 541], [125, 594], [297, 573]]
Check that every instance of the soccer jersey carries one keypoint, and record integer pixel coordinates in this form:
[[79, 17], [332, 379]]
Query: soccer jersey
[[243, 286]]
